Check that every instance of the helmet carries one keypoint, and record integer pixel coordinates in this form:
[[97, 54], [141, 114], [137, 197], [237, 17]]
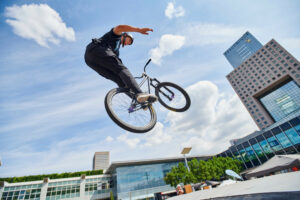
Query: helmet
[[127, 35]]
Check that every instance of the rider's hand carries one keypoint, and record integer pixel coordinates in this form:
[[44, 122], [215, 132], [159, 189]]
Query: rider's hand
[[145, 30]]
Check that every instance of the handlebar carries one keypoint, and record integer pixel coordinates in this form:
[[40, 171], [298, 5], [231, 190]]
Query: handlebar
[[144, 69], [147, 64]]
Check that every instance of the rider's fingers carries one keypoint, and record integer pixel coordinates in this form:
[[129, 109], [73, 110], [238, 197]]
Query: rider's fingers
[[145, 31]]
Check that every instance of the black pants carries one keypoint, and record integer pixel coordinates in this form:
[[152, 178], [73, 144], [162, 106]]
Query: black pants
[[105, 62]]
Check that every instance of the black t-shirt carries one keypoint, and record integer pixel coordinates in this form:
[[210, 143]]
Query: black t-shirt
[[112, 41]]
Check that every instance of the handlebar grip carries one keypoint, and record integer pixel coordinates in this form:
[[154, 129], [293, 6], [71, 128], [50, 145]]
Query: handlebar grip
[[148, 62]]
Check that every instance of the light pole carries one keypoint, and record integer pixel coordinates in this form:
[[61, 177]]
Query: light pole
[[185, 151]]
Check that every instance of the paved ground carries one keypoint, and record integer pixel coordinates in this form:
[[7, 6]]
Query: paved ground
[[277, 183]]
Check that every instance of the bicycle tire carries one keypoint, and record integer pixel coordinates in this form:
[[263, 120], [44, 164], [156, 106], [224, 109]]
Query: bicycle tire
[[118, 120], [162, 97]]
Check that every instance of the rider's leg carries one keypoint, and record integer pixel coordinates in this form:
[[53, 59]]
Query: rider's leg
[[100, 59], [130, 81], [93, 62], [115, 64], [108, 75]]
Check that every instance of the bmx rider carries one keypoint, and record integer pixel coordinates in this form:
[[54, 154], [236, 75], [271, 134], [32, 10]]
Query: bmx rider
[[102, 55]]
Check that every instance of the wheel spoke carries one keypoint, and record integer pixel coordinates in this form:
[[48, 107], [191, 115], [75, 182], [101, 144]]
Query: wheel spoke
[[176, 100], [138, 118], [172, 97]]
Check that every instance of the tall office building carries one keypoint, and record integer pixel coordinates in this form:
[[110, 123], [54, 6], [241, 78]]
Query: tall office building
[[101, 160], [267, 82], [242, 49]]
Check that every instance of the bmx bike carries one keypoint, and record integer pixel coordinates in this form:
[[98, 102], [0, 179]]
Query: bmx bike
[[123, 108]]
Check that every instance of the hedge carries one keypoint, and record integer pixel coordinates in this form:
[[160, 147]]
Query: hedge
[[51, 176]]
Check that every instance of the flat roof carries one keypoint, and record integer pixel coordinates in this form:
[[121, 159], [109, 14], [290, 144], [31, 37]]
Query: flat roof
[[114, 165]]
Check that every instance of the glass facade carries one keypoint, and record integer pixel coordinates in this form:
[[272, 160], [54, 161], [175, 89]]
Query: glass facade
[[244, 155], [97, 186], [273, 142], [241, 50], [132, 179], [293, 133], [258, 150], [236, 154], [282, 101], [283, 139], [63, 191], [22, 192], [91, 188]]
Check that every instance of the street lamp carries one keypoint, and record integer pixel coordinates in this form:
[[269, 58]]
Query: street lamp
[[185, 151]]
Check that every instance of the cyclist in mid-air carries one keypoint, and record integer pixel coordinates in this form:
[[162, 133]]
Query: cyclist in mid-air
[[102, 55]]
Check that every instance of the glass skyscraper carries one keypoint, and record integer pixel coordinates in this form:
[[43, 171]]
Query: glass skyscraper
[[242, 49], [268, 84]]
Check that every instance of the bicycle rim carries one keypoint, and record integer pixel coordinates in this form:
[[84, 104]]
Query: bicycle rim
[[118, 104], [173, 97]]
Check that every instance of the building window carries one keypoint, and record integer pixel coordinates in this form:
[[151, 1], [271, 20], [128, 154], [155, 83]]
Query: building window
[[283, 140], [274, 143], [266, 147], [293, 136], [282, 101]]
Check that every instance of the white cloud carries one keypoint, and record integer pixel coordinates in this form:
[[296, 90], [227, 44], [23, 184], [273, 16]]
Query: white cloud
[[195, 34], [167, 45], [131, 142], [157, 136], [38, 22], [172, 11], [212, 120], [201, 34], [109, 139]]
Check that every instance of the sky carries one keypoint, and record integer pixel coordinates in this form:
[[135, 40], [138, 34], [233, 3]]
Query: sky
[[52, 115]]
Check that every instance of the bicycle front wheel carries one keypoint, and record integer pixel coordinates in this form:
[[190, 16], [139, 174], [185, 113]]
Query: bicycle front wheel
[[127, 113], [173, 97]]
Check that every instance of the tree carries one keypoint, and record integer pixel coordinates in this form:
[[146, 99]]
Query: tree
[[202, 170], [176, 175]]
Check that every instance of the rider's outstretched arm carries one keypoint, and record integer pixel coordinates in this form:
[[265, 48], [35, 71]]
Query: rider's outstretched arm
[[118, 30]]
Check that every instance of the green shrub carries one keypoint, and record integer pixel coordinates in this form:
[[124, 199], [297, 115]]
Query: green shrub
[[51, 176]]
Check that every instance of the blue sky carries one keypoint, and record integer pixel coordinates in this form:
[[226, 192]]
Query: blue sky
[[52, 116]]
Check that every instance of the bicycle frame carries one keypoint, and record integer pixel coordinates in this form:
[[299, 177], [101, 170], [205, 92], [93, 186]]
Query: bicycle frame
[[152, 82]]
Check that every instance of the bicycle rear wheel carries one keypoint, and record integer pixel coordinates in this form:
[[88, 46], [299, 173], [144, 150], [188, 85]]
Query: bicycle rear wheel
[[172, 96], [129, 114]]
